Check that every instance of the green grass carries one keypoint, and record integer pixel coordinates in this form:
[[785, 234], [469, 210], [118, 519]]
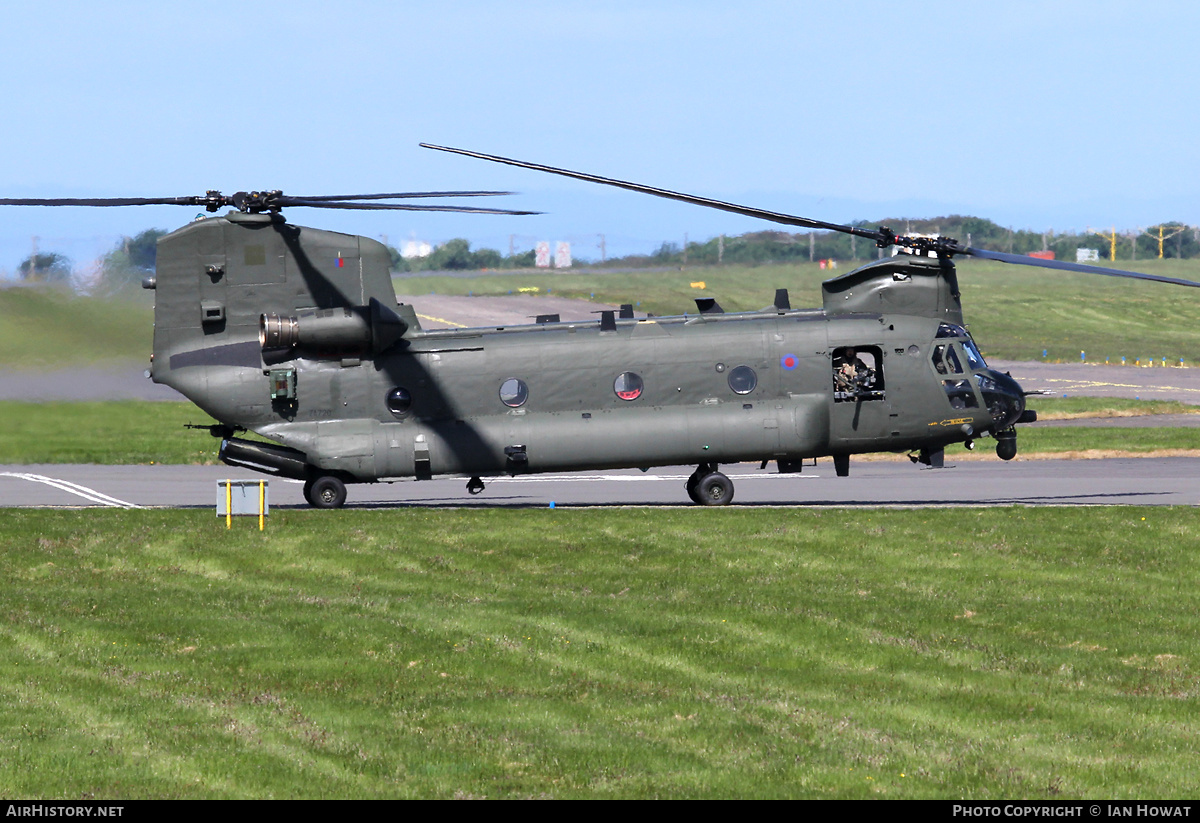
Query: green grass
[[126, 432], [106, 431], [967, 653], [1060, 408], [1131, 441], [49, 327], [1014, 312]]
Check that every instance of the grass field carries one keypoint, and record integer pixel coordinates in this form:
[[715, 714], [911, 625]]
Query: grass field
[[980, 654], [42, 327], [127, 432], [108, 431], [1014, 312]]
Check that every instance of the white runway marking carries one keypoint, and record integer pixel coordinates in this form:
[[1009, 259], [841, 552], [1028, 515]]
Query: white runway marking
[[73, 488]]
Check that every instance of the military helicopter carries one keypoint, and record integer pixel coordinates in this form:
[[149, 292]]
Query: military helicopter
[[295, 334]]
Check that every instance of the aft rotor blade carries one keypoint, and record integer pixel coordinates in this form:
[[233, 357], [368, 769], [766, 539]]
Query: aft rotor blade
[[775, 217], [103, 201], [398, 195], [318, 204], [1023, 260]]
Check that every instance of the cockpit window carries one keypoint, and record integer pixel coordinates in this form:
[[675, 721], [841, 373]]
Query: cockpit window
[[960, 394], [974, 358], [951, 330], [945, 361]]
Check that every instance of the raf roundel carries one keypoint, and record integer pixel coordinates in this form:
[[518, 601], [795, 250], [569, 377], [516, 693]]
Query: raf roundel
[[788, 361]]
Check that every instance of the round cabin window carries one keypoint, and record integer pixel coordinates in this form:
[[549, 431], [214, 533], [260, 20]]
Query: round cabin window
[[743, 380], [628, 386], [513, 392], [399, 402]]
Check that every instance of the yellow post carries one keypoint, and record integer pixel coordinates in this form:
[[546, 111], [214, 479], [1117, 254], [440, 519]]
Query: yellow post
[[229, 504], [261, 504]]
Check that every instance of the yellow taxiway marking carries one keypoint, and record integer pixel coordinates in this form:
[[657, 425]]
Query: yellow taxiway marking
[[1068, 383], [441, 320]]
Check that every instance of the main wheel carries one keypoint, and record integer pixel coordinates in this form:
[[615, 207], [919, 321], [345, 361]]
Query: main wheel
[[1006, 449], [714, 489], [326, 492], [702, 471]]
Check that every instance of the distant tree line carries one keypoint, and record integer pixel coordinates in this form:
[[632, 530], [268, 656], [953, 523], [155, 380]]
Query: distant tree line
[[132, 258], [756, 248], [456, 255], [46, 268]]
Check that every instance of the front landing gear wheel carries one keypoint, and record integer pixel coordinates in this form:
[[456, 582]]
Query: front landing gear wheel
[[714, 489], [1006, 444], [325, 492]]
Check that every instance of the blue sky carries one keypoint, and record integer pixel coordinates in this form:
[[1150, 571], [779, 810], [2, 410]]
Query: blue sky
[[1035, 114]]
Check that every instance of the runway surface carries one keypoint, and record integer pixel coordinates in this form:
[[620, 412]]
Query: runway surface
[[1170, 481], [1082, 379]]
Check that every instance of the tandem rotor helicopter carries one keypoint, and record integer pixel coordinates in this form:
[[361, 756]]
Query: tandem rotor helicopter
[[294, 334]]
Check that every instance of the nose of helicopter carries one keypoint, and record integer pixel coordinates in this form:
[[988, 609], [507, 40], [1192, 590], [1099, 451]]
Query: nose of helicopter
[[1003, 397]]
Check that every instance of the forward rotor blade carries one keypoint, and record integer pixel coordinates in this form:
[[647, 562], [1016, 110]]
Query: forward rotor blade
[[397, 195], [775, 217], [293, 202], [1023, 260]]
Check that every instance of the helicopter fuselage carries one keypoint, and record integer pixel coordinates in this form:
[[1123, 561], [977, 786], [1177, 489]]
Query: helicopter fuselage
[[294, 334]]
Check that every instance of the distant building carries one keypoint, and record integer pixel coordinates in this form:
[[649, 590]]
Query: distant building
[[1087, 255], [562, 255], [415, 248]]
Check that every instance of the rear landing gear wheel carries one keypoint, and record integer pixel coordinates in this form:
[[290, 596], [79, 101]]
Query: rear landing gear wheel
[[325, 492], [714, 489], [694, 481]]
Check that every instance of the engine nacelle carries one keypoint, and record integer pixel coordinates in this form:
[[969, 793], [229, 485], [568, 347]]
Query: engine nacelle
[[373, 328]]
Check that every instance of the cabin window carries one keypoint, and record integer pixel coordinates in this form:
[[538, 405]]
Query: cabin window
[[742, 380], [857, 373], [399, 401], [628, 386], [513, 393], [960, 394]]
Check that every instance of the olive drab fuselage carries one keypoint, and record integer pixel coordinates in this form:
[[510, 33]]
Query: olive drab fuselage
[[294, 334]]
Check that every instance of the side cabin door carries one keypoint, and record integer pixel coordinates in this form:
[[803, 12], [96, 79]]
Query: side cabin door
[[859, 410]]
